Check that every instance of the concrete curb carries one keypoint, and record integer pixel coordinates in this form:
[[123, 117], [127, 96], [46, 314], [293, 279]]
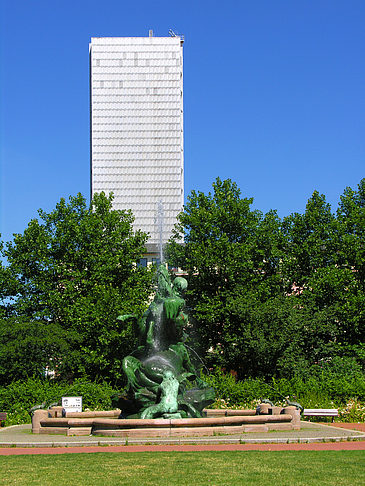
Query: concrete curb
[[16, 439], [218, 440]]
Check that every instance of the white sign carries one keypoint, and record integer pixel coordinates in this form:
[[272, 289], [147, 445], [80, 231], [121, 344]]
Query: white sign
[[72, 404]]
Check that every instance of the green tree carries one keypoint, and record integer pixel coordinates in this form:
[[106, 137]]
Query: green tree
[[29, 348], [312, 241], [232, 255], [325, 261], [351, 219], [273, 297], [76, 269]]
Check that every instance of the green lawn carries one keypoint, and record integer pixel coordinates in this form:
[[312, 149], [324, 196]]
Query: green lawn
[[292, 468]]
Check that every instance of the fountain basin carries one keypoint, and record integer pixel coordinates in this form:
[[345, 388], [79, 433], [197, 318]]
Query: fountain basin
[[216, 422]]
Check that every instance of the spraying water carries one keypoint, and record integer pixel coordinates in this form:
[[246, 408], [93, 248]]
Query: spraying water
[[160, 228]]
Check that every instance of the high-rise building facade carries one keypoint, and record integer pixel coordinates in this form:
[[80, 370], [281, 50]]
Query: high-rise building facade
[[136, 97]]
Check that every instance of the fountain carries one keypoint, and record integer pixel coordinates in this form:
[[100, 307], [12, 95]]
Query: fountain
[[162, 381], [166, 396]]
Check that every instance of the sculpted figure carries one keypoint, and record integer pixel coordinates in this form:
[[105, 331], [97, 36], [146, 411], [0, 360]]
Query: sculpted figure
[[160, 375], [167, 404]]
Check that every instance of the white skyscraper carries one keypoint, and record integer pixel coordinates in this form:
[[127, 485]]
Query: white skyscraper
[[136, 86]]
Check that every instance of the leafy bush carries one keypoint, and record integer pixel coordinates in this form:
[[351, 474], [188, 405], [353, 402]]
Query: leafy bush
[[22, 395], [16, 418], [235, 393], [95, 396], [328, 385], [18, 397], [353, 411]]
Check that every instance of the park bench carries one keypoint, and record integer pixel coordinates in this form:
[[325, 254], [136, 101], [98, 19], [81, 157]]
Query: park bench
[[2, 418], [321, 412]]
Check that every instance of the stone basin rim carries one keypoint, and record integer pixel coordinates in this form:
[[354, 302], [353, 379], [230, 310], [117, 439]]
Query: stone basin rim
[[158, 422]]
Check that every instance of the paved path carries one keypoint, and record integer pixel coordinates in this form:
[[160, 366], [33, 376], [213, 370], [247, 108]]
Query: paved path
[[18, 440], [324, 446], [341, 425]]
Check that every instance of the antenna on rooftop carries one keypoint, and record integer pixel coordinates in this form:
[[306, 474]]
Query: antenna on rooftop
[[175, 34]]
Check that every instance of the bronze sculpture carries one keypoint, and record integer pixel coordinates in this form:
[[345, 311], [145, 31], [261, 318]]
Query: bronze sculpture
[[162, 381]]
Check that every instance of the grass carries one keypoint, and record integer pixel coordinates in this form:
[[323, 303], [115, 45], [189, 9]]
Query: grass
[[181, 468]]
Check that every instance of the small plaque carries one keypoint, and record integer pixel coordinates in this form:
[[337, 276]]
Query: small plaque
[[72, 404]]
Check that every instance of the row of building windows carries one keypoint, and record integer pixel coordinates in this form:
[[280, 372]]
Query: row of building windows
[[145, 136], [115, 122], [154, 196], [108, 65], [169, 182], [138, 189], [138, 183], [167, 56], [140, 54], [128, 125], [100, 81], [125, 53], [137, 159], [147, 158], [140, 102], [149, 209], [140, 211], [153, 86], [137, 193], [132, 145], [158, 143], [175, 92], [150, 122], [131, 124], [168, 110], [135, 149], [159, 96], [132, 87], [137, 76], [167, 130], [143, 262], [148, 224], [131, 172]]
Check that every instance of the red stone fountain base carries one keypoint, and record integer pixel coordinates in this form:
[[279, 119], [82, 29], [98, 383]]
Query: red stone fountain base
[[217, 422]]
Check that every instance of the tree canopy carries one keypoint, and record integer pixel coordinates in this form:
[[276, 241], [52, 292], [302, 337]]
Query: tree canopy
[[73, 271], [272, 296], [268, 296]]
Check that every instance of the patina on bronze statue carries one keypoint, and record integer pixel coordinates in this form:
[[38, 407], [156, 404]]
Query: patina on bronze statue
[[162, 381]]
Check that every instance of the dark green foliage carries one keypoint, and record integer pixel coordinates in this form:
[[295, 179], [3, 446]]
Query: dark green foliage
[[20, 396], [232, 392], [269, 297], [329, 384], [232, 255], [75, 271], [29, 347]]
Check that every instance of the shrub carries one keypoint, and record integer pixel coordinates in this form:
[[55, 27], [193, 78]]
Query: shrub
[[18, 397], [325, 386], [353, 411], [236, 393]]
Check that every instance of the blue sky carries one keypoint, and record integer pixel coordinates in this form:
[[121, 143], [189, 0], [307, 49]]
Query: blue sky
[[273, 93]]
